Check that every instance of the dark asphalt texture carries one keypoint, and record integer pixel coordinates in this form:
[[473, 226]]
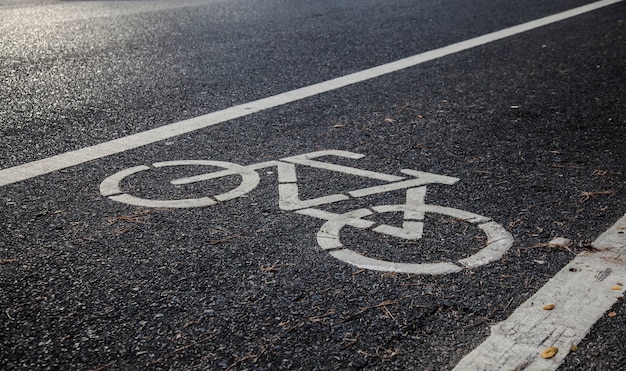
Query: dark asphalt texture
[[534, 127], [73, 76]]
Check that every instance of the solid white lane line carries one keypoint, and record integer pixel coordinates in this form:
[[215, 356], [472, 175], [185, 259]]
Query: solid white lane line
[[581, 293], [80, 156]]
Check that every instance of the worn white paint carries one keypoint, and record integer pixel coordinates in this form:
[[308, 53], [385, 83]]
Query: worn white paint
[[358, 260], [307, 160], [399, 185], [581, 292], [249, 180], [412, 227], [328, 237], [111, 185], [286, 173], [222, 173], [498, 242], [289, 199]]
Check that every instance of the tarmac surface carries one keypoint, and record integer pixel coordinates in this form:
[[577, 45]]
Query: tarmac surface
[[533, 126]]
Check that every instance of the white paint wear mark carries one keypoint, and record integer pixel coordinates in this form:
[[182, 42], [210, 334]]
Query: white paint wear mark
[[80, 156], [581, 293]]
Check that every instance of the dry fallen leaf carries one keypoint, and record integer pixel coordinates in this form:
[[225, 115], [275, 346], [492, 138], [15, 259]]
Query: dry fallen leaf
[[573, 348], [548, 307], [584, 196], [616, 287], [549, 352], [612, 314]]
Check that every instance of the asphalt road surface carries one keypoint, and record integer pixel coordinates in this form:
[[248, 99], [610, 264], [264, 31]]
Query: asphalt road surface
[[318, 249]]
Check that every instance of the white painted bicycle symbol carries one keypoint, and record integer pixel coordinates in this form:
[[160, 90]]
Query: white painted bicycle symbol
[[328, 237]]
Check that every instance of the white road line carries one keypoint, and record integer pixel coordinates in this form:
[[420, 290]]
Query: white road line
[[80, 156], [581, 293]]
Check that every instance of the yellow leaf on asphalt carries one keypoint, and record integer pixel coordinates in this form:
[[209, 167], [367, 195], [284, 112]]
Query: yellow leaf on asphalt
[[616, 287], [612, 314], [549, 307], [549, 352]]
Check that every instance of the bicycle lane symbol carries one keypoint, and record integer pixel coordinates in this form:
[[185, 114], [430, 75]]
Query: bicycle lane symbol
[[328, 236]]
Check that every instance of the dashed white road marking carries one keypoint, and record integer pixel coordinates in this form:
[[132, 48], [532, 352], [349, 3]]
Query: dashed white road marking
[[581, 293], [80, 156]]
